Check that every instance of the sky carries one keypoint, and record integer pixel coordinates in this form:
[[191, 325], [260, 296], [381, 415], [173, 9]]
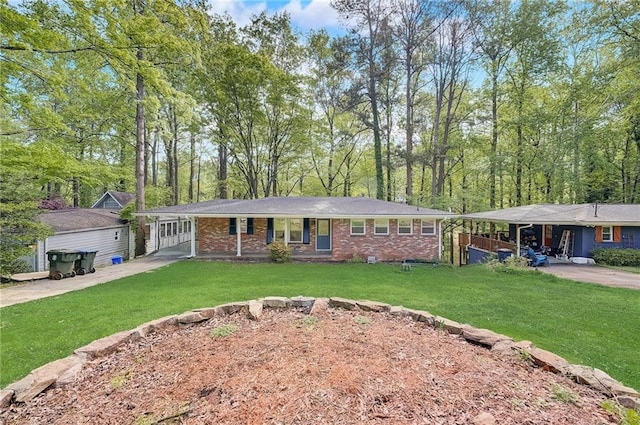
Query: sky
[[305, 14]]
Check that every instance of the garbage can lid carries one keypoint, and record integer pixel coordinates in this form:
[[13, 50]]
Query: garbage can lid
[[504, 250]]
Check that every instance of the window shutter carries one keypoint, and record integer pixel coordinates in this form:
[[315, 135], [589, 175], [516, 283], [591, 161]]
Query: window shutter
[[232, 226], [598, 234], [305, 230], [617, 234], [269, 230], [250, 226]]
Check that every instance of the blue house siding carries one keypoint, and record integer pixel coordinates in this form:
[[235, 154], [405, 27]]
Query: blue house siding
[[630, 239]]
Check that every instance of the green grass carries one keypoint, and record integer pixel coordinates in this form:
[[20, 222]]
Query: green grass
[[585, 323], [630, 269]]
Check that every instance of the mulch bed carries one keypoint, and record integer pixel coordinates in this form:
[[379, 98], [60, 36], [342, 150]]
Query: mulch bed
[[336, 367]]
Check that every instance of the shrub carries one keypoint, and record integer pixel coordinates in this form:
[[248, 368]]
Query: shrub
[[513, 264], [279, 252], [617, 256]]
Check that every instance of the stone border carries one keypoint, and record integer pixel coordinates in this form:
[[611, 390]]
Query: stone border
[[65, 371]]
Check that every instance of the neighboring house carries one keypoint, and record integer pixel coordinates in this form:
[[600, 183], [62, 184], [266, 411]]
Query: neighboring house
[[158, 234], [322, 228], [84, 229], [568, 230], [114, 200]]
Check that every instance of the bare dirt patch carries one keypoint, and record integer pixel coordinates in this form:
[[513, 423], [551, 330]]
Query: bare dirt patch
[[337, 367]]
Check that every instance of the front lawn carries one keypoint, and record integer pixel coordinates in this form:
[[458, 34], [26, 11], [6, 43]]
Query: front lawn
[[585, 323]]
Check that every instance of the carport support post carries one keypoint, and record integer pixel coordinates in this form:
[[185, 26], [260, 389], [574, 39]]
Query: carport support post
[[192, 222], [238, 238]]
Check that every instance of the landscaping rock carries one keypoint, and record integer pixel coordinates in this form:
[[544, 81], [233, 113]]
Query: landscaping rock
[[206, 312], [191, 317], [367, 305], [599, 380], [450, 326], [109, 344], [230, 308], [255, 310], [422, 316], [164, 322], [482, 336], [632, 403], [22, 385], [276, 302], [70, 375], [36, 389], [397, 310], [343, 303], [5, 398], [302, 303], [320, 305], [547, 360]]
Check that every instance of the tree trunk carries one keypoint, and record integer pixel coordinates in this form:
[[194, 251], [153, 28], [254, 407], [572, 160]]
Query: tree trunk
[[140, 148], [192, 164]]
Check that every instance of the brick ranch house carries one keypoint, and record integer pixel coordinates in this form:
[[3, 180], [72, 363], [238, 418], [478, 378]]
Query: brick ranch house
[[322, 228]]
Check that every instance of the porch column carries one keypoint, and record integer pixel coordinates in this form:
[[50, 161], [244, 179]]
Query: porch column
[[286, 232], [439, 239], [192, 223], [517, 240], [238, 238]]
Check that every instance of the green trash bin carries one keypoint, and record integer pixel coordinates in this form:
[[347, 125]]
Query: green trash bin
[[84, 264], [62, 263]]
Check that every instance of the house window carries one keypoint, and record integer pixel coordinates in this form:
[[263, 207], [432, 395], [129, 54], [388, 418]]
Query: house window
[[405, 226], [428, 227], [163, 230], [607, 234], [294, 228], [381, 226], [358, 227], [175, 228]]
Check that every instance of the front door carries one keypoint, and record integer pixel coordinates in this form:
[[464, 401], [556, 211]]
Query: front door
[[323, 234]]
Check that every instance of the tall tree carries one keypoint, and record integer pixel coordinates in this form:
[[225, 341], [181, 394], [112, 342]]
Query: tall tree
[[369, 17]]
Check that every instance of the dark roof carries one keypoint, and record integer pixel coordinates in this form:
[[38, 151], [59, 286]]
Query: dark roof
[[320, 207], [121, 198], [579, 214], [80, 219]]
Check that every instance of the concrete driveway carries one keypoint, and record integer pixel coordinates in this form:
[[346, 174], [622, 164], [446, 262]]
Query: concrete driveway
[[33, 290], [594, 274]]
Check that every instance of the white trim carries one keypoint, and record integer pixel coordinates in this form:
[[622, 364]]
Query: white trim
[[192, 225], [375, 230], [611, 236]]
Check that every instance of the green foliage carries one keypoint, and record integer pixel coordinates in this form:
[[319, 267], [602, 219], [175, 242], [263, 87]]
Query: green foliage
[[511, 265], [624, 415], [564, 394], [279, 252], [617, 256], [224, 331]]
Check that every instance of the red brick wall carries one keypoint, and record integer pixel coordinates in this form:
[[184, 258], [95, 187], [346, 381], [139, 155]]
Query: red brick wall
[[391, 247], [214, 237]]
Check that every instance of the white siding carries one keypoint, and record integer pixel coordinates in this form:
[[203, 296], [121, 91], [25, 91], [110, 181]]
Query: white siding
[[102, 240]]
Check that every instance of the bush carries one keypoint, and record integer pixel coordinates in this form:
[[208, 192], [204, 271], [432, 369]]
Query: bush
[[617, 256], [279, 252], [513, 265]]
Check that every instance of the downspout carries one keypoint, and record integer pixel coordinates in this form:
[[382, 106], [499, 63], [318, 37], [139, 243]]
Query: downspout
[[518, 236], [440, 248]]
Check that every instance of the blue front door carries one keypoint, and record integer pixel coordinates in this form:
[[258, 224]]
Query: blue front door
[[323, 234]]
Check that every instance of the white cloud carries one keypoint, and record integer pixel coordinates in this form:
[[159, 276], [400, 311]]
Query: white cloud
[[240, 11], [305, 14], [315, 15]]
